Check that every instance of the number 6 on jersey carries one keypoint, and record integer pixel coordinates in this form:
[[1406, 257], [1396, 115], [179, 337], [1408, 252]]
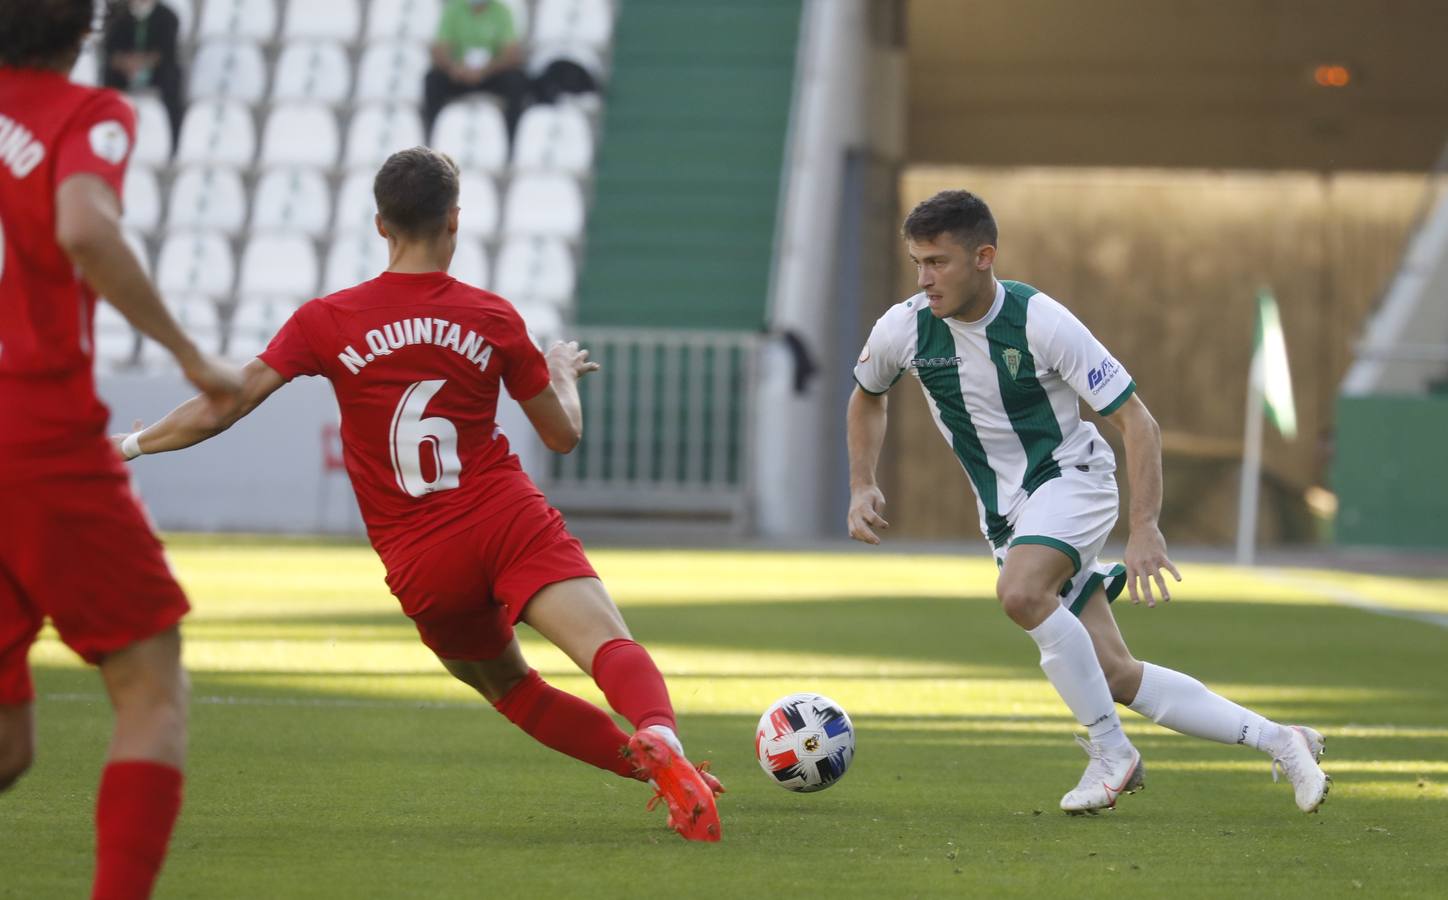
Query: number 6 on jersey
[[422, 444]]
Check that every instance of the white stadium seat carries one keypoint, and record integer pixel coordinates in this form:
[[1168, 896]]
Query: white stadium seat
[[137, 243], [535, 270], [87, 68], [408, 19], [254, 322], [292, 199], [301, 134], [153, 132], [355, 257], [338, 20], [227, 68], [377, 132], [201, 321], [392, 71], [356, 206], [114, 338], [544, 321], [478, 202], [473, 134], [208, 198], [312, 70], [574, 21], [218, 131], [252, 19], [553, 139], [141, 197], [470, 264], [543, 206], [283, 264], [195, 262]]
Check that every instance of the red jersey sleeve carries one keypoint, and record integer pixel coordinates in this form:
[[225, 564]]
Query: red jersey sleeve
[[98, 140], [290, 353], [525, 372]]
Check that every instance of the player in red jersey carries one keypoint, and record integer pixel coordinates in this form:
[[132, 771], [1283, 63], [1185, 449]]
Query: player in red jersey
[[470, 544], [75, 546]]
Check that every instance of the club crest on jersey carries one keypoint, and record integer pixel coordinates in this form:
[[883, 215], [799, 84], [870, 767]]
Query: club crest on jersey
[[1012, 357]]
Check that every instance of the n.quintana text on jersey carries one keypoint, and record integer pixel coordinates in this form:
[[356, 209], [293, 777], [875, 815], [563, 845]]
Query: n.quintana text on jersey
[[424, 330]]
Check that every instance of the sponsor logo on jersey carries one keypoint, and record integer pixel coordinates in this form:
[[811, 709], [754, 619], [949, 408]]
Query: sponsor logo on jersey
[[108, 140], [19, 150], [394, 336], [935, 362], [1101, 374], [1012, 356]]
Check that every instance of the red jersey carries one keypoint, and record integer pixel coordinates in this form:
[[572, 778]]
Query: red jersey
[[50, 129], [416, 362]]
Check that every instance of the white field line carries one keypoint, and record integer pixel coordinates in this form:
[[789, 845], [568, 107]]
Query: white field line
[[1346, 597]]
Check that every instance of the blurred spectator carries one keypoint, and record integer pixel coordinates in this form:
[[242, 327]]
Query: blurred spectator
[[139, 53], [476, 49], [563, 76]]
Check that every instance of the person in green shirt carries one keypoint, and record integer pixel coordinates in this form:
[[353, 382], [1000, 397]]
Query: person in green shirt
[[476, 49]]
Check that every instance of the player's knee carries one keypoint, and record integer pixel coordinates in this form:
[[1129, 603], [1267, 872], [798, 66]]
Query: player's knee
[[1024, 606]]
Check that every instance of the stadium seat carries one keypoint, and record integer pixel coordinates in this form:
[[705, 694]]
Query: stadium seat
[[217, 131], [544, 321], [478, 201], [403, 19], [300, 134], [195, 262], [142, 199], [293, 200], [87, 68], [312, 70], [473, 134], [337, 20], [356, 207], [153, 132], [137, 243], [227, 68], [208, 198], [377, 132], [284, 264], [392, 71], [470, 264], [521, 23], [587, 22], [355, 257], [185, 12], [201, 321], [252, 19], [114, 338], [553, 139], [535, 270], [255, 321], [543, 206]]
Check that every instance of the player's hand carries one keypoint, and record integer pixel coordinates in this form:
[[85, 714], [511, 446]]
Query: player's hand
[[864, 517], [1145, 558], [568, 359], [118, 439], [218, 381]]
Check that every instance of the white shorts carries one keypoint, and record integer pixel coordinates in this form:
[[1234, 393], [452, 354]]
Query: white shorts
[[1074, 514]]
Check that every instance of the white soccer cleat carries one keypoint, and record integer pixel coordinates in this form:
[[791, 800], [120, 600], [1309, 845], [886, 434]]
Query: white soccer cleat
[[1297, 759], [1105, 779]]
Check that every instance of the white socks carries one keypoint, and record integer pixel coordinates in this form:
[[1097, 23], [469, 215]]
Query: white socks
[[1184, 704], [1069, 661]]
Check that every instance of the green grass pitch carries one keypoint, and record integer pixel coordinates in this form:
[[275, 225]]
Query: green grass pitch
[[332, 757]]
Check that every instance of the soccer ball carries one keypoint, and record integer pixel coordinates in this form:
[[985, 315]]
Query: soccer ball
[[805, 742]]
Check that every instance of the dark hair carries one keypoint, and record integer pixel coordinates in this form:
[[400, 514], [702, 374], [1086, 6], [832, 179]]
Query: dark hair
[[960, 214], [415, 190], [41, 33]]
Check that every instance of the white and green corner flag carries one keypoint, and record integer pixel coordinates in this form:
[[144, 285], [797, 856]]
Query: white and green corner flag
[[1274, 379]]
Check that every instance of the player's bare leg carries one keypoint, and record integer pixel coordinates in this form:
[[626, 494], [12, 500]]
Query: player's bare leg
[[1185, 705], [140, 793], [17, 741], [1029, 591], [580, 618]]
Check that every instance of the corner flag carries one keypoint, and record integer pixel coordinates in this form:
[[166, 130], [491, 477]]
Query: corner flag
[[1274, 379]]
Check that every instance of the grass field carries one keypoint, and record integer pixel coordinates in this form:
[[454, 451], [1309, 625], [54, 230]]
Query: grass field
[[332, 757]]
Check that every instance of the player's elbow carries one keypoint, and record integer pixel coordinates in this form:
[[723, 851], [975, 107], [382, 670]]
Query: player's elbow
[[562, 441], [79, 238]]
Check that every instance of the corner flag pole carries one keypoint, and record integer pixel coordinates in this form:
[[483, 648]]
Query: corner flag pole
[[1269, 393], [1251, 465]]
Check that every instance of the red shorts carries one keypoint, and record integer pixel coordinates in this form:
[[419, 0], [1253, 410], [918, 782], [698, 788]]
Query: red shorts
[[80, 551], [465, 593]]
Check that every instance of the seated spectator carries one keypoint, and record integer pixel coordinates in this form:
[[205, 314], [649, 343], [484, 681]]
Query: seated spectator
[[139, 53], [563, 75], [476, 49]]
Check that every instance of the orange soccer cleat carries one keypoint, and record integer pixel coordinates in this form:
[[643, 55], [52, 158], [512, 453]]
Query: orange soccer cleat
[[689, 791]]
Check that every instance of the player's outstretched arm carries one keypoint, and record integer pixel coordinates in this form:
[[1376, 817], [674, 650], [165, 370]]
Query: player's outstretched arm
[[1145, 548], [865, 435], [197, 419], [557, 412]]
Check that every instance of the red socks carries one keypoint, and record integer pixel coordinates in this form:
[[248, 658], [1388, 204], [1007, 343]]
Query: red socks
[[135, 811], [566, 723], [632, 684]]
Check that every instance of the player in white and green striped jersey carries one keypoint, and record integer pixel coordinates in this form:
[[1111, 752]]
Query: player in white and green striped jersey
[[1004, 368]]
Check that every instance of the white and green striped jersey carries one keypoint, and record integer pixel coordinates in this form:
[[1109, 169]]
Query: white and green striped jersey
[[1004, 391]]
